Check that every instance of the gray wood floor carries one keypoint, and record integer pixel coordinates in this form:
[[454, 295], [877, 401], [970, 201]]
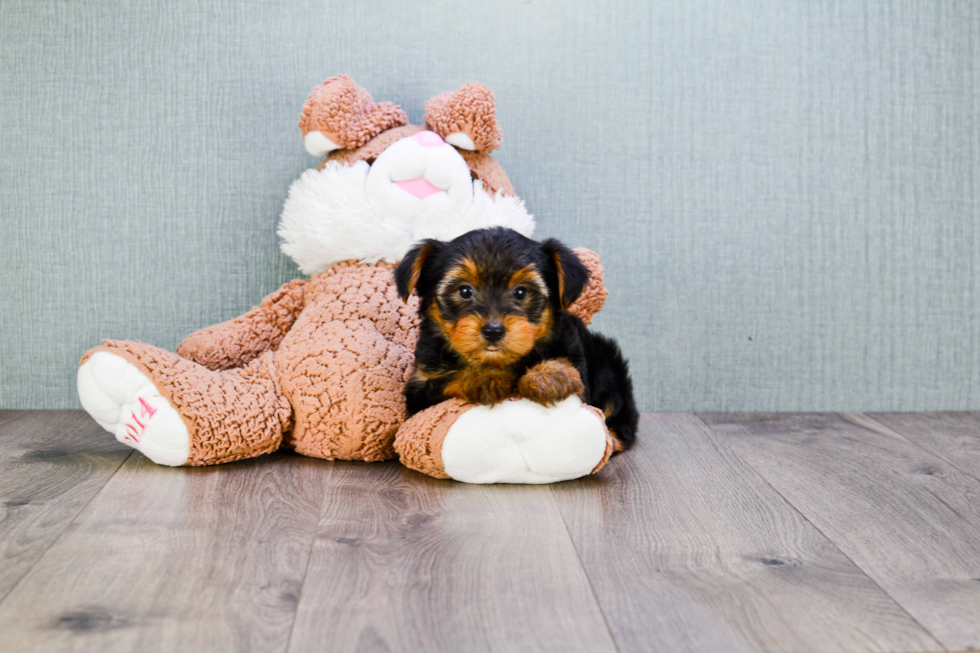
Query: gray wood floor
[[783, 532]]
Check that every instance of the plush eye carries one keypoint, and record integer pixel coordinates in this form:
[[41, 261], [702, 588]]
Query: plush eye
[[520, 293], [465, 292]]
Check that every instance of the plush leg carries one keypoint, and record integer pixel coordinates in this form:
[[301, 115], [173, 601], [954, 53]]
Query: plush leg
[[125, 402], [517, 441], [345, 381], [179, 413]]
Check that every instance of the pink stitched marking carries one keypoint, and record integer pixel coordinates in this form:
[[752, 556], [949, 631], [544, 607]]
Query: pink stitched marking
[[134, 431], [148, 410], [131, 433]]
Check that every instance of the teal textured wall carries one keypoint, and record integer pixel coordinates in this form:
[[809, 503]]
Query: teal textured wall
[[786, 194]]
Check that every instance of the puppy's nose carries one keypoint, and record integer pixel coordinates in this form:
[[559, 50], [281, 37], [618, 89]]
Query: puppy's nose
[[493, 331], [428, 139]]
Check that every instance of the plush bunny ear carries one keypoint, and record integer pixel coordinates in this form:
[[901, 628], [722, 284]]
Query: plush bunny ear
[[339, 114], [466, 118]]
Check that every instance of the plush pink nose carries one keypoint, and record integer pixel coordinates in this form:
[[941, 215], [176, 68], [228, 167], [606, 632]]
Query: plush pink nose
[[428, 139]]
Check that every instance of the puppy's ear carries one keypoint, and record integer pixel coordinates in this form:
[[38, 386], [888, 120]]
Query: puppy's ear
[[409, 271], [567, 275]]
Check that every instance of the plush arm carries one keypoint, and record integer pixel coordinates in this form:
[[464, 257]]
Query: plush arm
[[594, 296], [516, 442], [237, 342]]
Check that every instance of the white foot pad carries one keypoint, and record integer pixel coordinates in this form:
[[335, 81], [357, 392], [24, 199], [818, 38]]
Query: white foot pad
[[127, 404], [524, 442]]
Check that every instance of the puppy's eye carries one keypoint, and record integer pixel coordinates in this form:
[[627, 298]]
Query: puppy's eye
[[520, 293], [465, 292]]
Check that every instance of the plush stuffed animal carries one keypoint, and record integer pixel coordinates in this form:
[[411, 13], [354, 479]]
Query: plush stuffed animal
[[320, 364]]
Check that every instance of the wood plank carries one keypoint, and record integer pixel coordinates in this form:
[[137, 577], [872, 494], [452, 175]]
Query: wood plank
[[176, 559], [404, 562], [688, 549], [51, 465], [909, 519], [954, 437], [7, 415]]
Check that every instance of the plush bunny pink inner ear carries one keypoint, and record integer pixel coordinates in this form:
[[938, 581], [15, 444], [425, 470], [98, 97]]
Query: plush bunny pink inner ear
[[465, 118], [339, 114]]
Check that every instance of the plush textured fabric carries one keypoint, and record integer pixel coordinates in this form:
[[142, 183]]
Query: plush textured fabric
[[127, 403], [338, 213], [319, 366], [373, 148], [470, 110], [593, 297], [487, 170], [346, 114], [345, 363], [230, 414], [419, 440], [519, 441], [610, 446], [482, 166], [236, 342]]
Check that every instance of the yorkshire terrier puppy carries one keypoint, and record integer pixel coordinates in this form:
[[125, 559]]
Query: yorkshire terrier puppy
[[494, 326]]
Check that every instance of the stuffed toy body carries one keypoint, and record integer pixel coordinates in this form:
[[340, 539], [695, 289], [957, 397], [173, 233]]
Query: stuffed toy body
[[320, 365]]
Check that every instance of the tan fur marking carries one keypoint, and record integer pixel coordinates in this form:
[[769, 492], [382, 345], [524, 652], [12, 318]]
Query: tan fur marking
[[436, 316], [464, 335], [527, 275], [520, 337], [546, 323], [466, 270], [617, 445], [466, 339], [561, 282], [551, 381], [417, 265], [424, 376]]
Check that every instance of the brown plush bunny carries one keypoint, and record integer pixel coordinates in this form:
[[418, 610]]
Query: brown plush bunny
[[320, 364]]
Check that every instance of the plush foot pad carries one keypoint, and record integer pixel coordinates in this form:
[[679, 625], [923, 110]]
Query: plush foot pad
[[127, 404], [524, 442]]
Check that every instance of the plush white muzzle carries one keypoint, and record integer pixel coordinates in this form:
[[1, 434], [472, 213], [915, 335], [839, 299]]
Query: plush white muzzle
[[420, 187]]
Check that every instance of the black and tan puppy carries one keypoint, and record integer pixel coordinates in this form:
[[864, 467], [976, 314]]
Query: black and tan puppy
[[494, 326]]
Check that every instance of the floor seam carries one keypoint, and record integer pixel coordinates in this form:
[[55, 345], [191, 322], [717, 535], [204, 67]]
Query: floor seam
[[67, 526], [588, 579], [837, 547], [918, 446], [309, 558]]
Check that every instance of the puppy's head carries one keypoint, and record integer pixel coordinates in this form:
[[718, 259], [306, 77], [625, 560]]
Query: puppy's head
[[492, 293]]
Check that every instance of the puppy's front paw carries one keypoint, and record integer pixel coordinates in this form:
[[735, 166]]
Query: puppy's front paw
[[550, 382]]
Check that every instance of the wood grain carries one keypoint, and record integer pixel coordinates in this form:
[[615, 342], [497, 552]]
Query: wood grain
[[176, 559], [689, 550], [954, 437], [51, 465], [404, 562], [909, 519], [693, 541]]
